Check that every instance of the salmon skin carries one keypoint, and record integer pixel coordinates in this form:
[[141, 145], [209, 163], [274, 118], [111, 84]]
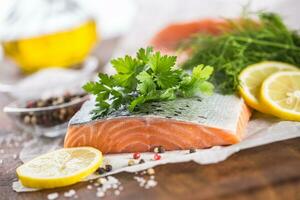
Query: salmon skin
[[179, 124]]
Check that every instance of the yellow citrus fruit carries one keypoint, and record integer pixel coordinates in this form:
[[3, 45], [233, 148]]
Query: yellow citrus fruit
[[280, 93], [60, 168], [252, 77]]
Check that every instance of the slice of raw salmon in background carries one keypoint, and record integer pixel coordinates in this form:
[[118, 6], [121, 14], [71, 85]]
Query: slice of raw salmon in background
[[168, 38]]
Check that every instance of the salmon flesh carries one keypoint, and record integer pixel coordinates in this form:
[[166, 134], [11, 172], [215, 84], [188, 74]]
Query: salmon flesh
[[200, 122]]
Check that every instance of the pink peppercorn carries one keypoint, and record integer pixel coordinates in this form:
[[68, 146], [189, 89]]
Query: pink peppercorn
[[157, 156], [136, 155]]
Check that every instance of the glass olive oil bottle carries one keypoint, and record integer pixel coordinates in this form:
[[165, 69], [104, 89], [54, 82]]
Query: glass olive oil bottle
[[58, 33]]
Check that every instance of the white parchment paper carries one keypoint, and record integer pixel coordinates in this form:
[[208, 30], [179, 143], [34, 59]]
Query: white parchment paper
[[261, 130]]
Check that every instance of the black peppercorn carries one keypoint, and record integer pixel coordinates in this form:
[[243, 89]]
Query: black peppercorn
[[101, 170], [108, 168], [192, 150], [141, 161], [54, 117]]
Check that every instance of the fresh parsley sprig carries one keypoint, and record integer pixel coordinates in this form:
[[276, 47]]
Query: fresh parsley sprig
[[147, 77]]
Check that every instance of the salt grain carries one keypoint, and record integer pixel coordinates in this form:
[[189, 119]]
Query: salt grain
[[100, 194], [115, 186], [89, 187], [1, 162], [96, 184], [70, 193], [117, 192], [15, 156], [143, 172], [142, 184], [52, 196], [106, 184], [140, 180], [1, 150], [150, 184], [112, 180], [101, 180], [147, 184]]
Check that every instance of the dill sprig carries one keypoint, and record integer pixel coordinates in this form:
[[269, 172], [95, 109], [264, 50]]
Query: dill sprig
[[247, 42]]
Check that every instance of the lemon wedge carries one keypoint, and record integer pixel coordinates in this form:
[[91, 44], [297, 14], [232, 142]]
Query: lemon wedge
[[60, 168], [280, 92], [252, 77]]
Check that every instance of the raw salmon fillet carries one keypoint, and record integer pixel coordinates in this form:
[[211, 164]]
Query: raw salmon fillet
[[180, 124], [169, 37]]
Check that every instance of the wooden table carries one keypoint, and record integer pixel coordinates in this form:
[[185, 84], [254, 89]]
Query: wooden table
[[267, 172]]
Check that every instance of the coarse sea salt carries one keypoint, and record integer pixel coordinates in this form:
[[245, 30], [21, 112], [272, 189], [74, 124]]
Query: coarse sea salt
[[70, 193], [96, 184], [89, 187], [101, 180], [150, 184], [117, 192], [146, 183], [52, 196], [108, 183], [100, 194]]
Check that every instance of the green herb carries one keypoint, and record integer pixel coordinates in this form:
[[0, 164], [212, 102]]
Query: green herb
[[247, 43], [149, 76]]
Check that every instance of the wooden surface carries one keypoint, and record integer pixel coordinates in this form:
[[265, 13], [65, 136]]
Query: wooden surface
[[267, 172]]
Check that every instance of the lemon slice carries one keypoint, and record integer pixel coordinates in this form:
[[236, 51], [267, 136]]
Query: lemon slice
[[280, 92], [60, 168], [252, 77]]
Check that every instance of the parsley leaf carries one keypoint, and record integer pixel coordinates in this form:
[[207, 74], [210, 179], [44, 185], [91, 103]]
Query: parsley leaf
[[149, 76], [193, 85]]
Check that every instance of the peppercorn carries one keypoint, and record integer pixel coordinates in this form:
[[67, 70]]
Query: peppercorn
[[159, 149], [27, 119], [131, 162], [150, 171], [136, 155], [192, 150], [141, 161], [101, 170], [108, 168], [54, 117], [157, 156], [33, 120]]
